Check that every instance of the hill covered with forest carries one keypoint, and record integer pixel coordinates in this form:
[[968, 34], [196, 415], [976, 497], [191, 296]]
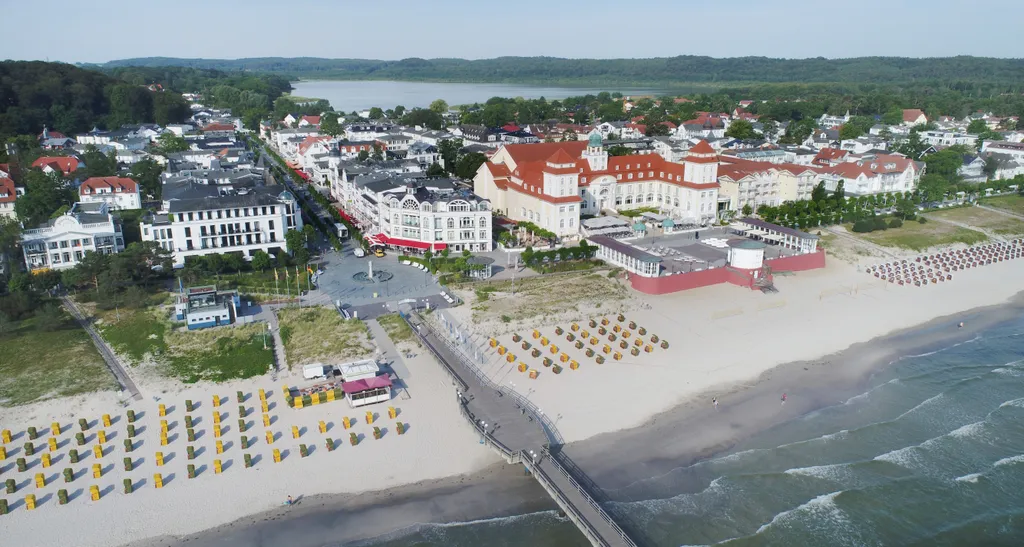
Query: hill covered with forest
[[656, 71], [70, 99]]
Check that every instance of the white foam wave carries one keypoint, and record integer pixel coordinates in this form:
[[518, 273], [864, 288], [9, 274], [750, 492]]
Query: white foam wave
[[1019, 403], [689, 502], [972, 478], [821, 506], [1008, 372], [833, 472], [921, 405], [866, 394], [963, 432], [1009, 461], [899, 457], [940, 350]]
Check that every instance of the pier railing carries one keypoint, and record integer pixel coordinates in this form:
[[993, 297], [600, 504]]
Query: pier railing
[[590, 500], [563, 501]]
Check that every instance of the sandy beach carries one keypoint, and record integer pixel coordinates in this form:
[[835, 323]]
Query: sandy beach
[[721, 338], [744, 348], [436, 445]]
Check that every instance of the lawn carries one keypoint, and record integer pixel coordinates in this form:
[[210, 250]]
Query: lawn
[[1013, 203], [916, 236], [218, 354], [321, 335], [260, 283], [982, 218], [396, 327], [542, 296], [134, 334], [37, 365]]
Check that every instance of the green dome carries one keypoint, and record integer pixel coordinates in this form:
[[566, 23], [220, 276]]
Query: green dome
[[639, 227], [595, 140]]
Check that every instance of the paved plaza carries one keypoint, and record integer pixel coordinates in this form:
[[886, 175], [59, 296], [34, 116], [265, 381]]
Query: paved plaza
[[338, 281]]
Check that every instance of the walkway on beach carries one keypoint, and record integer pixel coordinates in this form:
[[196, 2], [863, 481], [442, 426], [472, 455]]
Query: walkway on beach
[[522, 434], [113, 363]]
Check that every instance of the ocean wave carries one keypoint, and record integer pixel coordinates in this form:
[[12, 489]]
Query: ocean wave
[[965, 431], [942, 349], [1009, 461], [833, 472], [428, 528], [684, 501], [972, 478], [915, 408], [821, 506], [857, 398], [1019, 403], [899, 457]]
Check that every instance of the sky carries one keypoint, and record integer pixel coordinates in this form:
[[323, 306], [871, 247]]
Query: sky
[[104, 30]]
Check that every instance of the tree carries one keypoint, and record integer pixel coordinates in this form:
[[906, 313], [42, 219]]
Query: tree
[[376, 113], [170, 143], [819, 193], [977, 126], [308, 233], [44, 194], [840, 194], [741, 129], [329, 124], [747, 210], [146, 172], [423, 117], [619, 150], [571, 136], [363, 155], [439, 106], [294, 240], [655, 128], [528, 255], [469, 164], [98, 164], [449, 150], [234, 262], [992, 165], [769, 128], [215, 263], [260, 261], [945, 163], [435, 170], [378, 152], [399, 111], [905, 209], [933, 187], [169, 108], [49, 317]]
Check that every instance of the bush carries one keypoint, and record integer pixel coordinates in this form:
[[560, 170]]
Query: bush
[[895, 223], [862, 226], [921, 220], [878, 223]]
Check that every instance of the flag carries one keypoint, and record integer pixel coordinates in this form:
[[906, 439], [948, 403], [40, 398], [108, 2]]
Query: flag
[[275, 274], [286, 276]]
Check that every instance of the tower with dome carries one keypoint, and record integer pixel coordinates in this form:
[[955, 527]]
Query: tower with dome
[[595, 153]]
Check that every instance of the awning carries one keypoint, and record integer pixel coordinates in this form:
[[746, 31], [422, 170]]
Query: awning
[[412, 244], [345, 215], [367, 384]]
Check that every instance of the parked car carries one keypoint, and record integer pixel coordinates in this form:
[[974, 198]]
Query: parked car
[[359, 252]]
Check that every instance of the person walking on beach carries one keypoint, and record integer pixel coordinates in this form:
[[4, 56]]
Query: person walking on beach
[[714, 401], [289, 502], [783, 398]]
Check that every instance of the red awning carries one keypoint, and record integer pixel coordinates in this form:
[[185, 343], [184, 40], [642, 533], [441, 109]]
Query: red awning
[[365, 385], [302, 174], [422, 245], [345, 215]]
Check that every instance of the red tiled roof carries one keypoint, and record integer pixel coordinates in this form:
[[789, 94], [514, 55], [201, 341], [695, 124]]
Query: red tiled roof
[[315, 120], [5, 170], [561, 157], [510, 127], [118, 185], [310, 141], [912, 114], [8, 194], [541, 151], [702, 147], [219, 127], [64, 164], [826, 156]]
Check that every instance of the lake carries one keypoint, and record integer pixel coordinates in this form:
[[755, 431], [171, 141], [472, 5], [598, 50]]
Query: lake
[[347, 96]]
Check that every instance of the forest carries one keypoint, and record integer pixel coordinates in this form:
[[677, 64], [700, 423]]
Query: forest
[[74, 100], [664, 71]]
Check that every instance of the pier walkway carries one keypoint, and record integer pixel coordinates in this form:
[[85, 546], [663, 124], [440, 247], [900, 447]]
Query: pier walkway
[[521, 433]]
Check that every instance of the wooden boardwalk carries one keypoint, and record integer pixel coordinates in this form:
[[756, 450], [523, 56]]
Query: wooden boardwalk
[[520, 433]]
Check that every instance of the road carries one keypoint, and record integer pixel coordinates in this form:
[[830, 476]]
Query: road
[[113, 363]]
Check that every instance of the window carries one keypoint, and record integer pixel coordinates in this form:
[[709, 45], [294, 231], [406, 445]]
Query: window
[[188, 232], [618, 177], [631, 176], [271, 224]]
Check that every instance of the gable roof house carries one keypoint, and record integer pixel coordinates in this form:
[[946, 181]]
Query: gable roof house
[[914, 116], [65, 165], [309, 120], [8, 195], [119, 193]]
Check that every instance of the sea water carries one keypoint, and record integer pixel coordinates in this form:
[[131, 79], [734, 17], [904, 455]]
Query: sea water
[[931, 453]]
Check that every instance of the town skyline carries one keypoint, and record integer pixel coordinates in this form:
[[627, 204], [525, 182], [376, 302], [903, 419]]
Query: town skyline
[[745, 29]]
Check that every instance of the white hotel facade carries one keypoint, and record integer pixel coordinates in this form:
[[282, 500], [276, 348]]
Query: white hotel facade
[[62, 242], [198, 220]]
